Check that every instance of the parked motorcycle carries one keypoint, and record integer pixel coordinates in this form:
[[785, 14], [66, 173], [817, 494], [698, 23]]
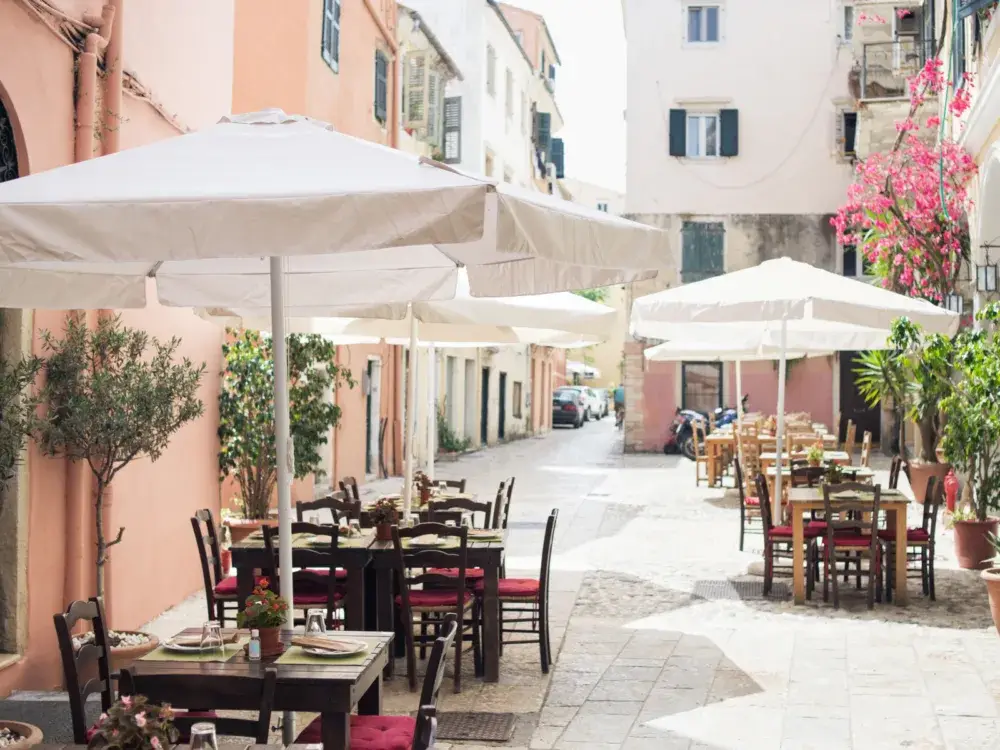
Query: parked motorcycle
[[728, 414], [679, 436]]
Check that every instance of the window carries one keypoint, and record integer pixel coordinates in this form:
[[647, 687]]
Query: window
[[851, 257], [517, 399], [524, 114], [488, 166], [491, 70], [509, 94], [541, 65], [602, 207], [416, 110], [703, 23], [847, 32], [508, 176], [519, 36], [701, 386], [452, 130], [381, 87], [330, 46], [847, 131], [702, 250], [435, 107], [704, 135]]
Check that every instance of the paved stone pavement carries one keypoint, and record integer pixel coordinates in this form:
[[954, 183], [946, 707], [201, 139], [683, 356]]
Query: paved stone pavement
[[657, 649]]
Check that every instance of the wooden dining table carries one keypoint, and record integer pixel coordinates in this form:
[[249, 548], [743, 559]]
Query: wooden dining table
[[331, 688], [805, 500], [829, 457], [371, 587]]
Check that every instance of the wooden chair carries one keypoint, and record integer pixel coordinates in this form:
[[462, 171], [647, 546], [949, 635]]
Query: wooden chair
[[454, 508], [894, 469], [919, 543], [528, 600], [749, 504], [454, 484], [849, 441], [88, 660], [700, 457], [221, 591], [259, 728], [866, 448], [845, 542], [804, 475], [316, 584], [778, 541], [340, 505], [349, 486], [430, 596], [400, 731], [501, 506]]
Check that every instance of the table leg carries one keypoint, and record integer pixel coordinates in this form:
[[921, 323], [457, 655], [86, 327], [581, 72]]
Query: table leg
[[710, 451], [385, 616], [244, 582], [354, 605], [371, 702], [900, 592], [371, 598], [798, 557], [336, 731], [491, 623]]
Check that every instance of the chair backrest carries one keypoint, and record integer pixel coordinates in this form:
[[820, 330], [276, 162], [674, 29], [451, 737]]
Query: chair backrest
[[349, 486], [697, 434], [342, 507], [207, 539], [435, 667], [894, 468], [77, 663], [453, 508], [764, 496], [426, 731], [455, 484], [933, 497], [842, 514], [548, 544], [501, 506], [849, 440], [807, 476], [322, 557], [415, 565], [131, 683], [866, 448]]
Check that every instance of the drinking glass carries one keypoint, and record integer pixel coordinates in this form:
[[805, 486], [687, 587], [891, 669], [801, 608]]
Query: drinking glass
[[203, 736], [211, 639], [315, 621], [354, 524], [442, 487]]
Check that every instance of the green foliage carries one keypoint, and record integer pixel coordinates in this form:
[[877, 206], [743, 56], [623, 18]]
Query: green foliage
[[448, 440], [114, 394], [880, 378], [133, 723], [246, 411], [383, 512], [17, 412], [925, 361], [594, 295], [262, 609], [972, 412]]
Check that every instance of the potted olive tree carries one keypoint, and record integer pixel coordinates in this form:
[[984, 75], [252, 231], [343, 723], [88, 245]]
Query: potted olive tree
[[112, 395], [247, 451], [972, 438], [926, 364]]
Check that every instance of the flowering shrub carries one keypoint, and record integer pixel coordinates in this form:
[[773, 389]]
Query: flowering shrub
[[383, 512], [135, 724], [906, 210], [264, 608]]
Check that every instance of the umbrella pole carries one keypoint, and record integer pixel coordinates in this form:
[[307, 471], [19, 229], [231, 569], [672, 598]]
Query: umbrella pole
[[431, 409], [411, 416], [739, 415], [283, 444], [779, 438]]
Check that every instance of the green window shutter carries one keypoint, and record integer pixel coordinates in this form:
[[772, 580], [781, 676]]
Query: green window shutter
[[381, 86], [729, 124], [543, 128], [678, 132], [559, 157], [702, 250]]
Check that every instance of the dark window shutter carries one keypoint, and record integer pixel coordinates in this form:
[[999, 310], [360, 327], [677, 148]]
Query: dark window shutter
[[967, 7], [559, 157], [381, 87], [729, 124], [678, 132], [544, 130], [452, 130], [702, 250]]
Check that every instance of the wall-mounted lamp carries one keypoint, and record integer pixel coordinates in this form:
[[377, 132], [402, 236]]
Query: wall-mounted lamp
[[954, 303], [986, 278]]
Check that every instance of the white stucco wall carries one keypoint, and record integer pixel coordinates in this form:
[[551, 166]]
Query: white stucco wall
[[590, 195], [781, 64]]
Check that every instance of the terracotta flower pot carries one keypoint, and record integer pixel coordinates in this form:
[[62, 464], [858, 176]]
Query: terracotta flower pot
[[242, 528], [814, 463], [920, 472], [29, 733], [972, 548], [383, 532], [270, 642], [425, 495], [992, 578], [226, 560]]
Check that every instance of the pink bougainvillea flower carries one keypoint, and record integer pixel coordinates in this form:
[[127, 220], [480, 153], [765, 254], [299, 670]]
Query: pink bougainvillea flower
[[140, 719]]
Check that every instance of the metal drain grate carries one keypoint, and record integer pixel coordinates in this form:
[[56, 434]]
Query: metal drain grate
[[738, 590], [461, 725]]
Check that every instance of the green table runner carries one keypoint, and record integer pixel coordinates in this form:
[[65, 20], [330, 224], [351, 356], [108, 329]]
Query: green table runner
[[229, 651], [296, 655]]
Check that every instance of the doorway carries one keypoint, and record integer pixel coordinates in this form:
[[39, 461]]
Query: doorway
[[701, 386], [469, 388], [502, 413], [484, 407], [373, 410], [853, 406]]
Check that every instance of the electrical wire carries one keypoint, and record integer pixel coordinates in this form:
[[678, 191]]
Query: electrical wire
[[798, 142]]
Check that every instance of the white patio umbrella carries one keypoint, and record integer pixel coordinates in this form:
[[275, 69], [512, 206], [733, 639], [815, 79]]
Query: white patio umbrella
[[266, 207], [783, 304]]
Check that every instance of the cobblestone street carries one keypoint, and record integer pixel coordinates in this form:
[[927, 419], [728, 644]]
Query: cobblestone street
[[659, 644]]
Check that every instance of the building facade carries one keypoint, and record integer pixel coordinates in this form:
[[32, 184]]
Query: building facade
[[740, 159]]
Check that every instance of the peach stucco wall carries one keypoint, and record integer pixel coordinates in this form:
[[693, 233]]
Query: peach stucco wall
[[171, 45]]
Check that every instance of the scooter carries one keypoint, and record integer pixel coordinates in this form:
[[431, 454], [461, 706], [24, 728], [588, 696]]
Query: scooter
[[679, 436], [728, 414]]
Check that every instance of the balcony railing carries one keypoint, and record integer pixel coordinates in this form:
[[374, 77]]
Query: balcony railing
[[886, 66]]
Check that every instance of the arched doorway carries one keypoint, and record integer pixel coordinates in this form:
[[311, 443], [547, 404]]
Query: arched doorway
[[8, 147]]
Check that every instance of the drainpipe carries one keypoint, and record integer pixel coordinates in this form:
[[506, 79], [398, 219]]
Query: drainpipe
[[113, 69]]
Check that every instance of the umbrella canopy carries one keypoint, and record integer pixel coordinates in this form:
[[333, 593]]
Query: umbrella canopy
[[359, 223], [680, 351], [776, 290]]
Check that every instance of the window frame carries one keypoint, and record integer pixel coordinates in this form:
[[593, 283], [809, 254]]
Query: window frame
[[329, 45], [703, 116], [717, 366], [382, 57], [508, 104], [491, 70], [847, 24], [703, 23], [710, 226]]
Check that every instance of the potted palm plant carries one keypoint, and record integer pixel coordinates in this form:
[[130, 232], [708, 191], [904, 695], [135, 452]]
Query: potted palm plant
[[972, 437]]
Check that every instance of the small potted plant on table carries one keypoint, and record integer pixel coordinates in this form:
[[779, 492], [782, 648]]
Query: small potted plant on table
[[814, 456], [383, 515], [265, 612], [133, 723], [422, 484]]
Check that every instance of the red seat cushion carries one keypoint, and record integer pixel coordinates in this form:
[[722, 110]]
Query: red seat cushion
[[753, 502], [851, 539], [369, 733], [434, 598], [341, 573], [912, 535], [519, 588], [228, 586], [309, 598], [470, 573], [785, 532]]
